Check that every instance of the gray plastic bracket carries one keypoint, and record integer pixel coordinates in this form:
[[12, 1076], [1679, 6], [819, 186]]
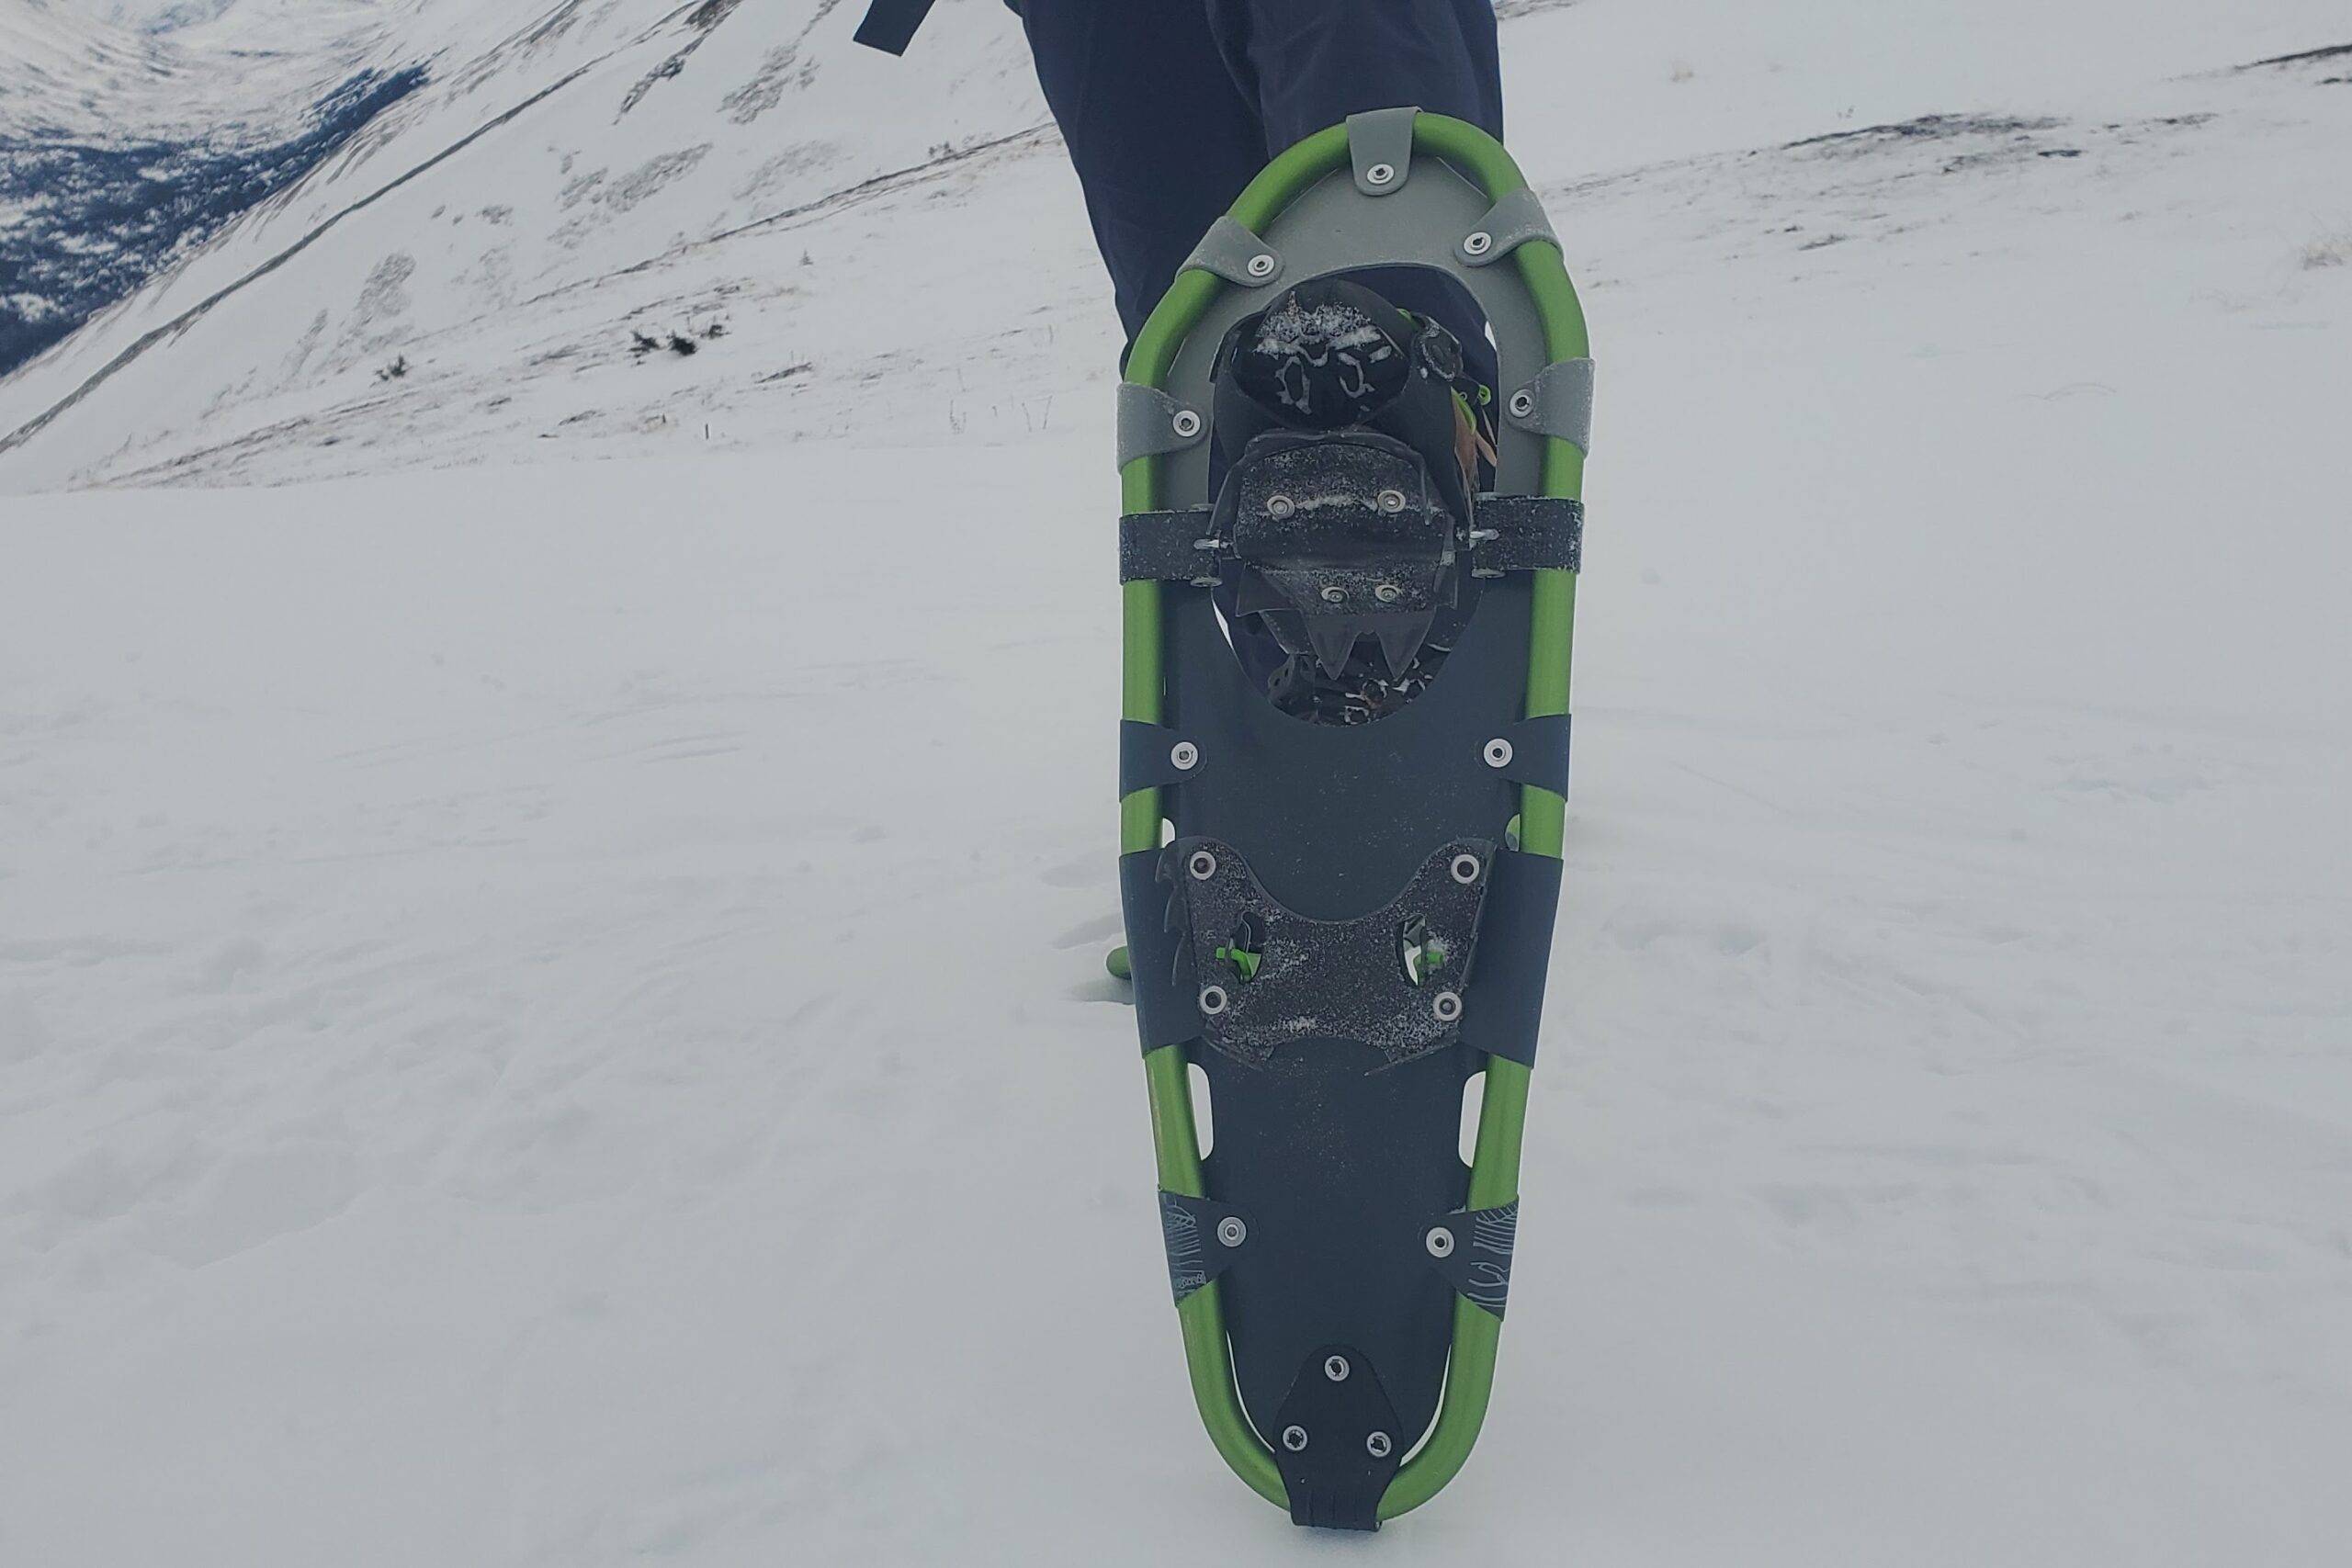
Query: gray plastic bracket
[[1508, 224], [1151, 422], [1557, 402], [1380, 138], [1235, 254]]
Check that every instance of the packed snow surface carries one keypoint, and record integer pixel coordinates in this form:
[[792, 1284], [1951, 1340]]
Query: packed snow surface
[[551, 1011]]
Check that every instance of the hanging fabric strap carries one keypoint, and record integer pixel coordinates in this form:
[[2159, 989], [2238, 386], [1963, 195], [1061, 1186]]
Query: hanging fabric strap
[[890, 25]]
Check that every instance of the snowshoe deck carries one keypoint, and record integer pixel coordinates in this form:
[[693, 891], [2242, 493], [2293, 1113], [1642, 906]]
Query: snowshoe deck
[[1341, 926]]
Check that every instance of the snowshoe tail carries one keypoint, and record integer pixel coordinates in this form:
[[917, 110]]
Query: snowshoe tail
[[1337, 926]]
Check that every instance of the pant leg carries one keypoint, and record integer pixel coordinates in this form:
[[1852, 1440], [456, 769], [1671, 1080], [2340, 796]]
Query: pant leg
[[1305, 64], [1160, 135], [1170, 107]]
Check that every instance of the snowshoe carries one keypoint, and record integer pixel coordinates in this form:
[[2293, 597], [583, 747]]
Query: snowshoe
[[1340, 889]]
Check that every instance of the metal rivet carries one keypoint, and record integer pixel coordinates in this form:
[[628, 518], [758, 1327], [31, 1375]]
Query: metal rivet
[[1336, 1368], [1185, 756], [1446, 1005], [1212, 999], [1280, 507], [1522, 403], [1378, 1445], [1389, 593], [1465, 869], [1380, 174], [1294, 1438], [1231, 1231], [1335, 595], [1203, 866], [1392, 502], [1187, 423], [1478, 244], [1499, 752], [1262, 265], [1439, 1241]]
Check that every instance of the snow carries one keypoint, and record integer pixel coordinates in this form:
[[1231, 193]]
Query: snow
[[183, 72], [551, 1011], [621, 153]]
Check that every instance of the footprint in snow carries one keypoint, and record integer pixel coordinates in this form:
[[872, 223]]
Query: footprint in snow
[[1089, 931]]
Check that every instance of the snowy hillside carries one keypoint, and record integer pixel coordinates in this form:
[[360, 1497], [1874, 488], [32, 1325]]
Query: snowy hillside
[[556, 156], [472, 279], [551, 1010], [124, 149]]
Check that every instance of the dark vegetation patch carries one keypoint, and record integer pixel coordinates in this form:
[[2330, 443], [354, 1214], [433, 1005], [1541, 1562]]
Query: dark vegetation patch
[[2304, 57], [1927, 128], [1987, 140], [1984, 140], [98, 219], [682, 344]]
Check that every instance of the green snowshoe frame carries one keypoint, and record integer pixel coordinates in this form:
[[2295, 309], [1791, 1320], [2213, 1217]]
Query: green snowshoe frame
[[1313, 212]]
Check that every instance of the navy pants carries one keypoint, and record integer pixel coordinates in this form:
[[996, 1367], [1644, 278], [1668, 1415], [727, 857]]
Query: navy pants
[[1170, 107]]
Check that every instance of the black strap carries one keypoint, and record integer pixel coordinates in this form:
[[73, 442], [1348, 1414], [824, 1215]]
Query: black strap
[[1539, 752], [1529, 532], [1516, 532], [1474, 1253], [1147, 756], [1165, 547], [1202, 1238], [889, 25], [1502, 1006]]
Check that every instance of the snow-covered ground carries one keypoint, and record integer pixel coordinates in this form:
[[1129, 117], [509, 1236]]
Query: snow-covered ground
[[551, 1012]]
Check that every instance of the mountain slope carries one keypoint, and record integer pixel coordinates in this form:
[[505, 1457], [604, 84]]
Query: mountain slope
[[125, 148], [92, 219], [573, 176], [553, 149]]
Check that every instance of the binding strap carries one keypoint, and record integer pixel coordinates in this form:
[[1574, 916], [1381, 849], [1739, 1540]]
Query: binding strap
[[1510, 533], [889, 25], [1527, 533]]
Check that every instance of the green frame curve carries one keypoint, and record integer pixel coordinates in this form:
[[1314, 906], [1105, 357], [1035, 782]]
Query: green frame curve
[[1494, 1172]]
